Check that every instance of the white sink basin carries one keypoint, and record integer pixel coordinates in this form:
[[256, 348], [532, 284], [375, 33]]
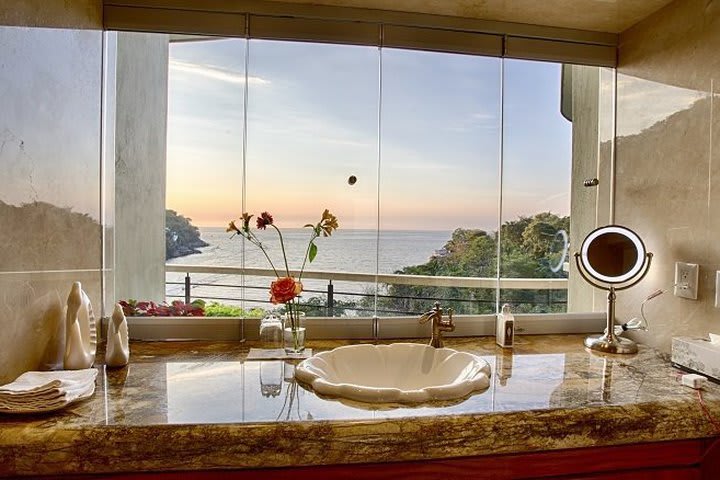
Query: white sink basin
[[396, 373]]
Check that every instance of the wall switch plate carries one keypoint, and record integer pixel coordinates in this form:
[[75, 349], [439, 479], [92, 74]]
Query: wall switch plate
[[717, 289], [686, 280]]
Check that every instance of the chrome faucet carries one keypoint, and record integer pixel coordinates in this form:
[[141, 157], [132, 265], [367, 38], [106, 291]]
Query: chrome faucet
[[438, 324]]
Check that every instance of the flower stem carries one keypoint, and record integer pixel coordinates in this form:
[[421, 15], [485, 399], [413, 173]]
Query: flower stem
[[307, 252], [282, 246], [251, 238], [293, 314]]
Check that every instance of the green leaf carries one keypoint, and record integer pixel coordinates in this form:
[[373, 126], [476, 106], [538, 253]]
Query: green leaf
[[312, 253], [309, 225]]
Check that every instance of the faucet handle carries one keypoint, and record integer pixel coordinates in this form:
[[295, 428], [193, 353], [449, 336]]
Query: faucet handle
[[450, 312], [436, 311], [425, 317]]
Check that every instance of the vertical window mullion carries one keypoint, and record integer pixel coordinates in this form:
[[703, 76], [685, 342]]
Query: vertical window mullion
[[243, 197], [501, 159], [376, 322]]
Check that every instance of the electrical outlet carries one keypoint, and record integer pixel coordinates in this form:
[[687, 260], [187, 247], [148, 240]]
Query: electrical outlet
[[686, 280], [717, 289]]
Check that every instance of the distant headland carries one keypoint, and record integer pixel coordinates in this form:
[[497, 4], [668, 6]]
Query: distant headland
[[181, 236]]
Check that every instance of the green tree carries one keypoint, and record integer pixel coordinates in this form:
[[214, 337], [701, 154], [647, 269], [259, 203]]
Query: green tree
[[528, 248], [539, 235]]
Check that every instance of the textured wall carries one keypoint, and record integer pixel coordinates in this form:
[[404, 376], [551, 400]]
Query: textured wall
[[50, 92], [668, 160], [140, 147]]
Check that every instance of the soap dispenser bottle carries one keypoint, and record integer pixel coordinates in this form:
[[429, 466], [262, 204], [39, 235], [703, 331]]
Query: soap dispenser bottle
[[505, 327]]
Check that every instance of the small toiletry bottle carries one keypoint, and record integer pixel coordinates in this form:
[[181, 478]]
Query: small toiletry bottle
[[505, 327]]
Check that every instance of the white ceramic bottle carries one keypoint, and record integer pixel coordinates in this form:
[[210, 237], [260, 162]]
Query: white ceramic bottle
[[117, 353], [80, 331], [505, 327]]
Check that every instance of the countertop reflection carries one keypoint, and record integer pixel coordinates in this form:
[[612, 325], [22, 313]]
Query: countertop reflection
[[219, 410], [192, 382]]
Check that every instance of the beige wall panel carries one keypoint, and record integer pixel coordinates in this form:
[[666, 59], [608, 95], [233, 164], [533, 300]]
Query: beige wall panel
[[50, 90], [667, 166], [32, 318]]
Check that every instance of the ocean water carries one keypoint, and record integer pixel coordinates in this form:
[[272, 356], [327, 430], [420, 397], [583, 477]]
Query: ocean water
[[355, 251]]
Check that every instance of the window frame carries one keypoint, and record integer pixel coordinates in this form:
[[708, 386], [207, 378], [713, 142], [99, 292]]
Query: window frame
[[350, 25], [398, 36]]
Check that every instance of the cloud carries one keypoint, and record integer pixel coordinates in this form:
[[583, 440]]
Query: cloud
[[483, 116], [215, 73], [309, 128], [473, 122]]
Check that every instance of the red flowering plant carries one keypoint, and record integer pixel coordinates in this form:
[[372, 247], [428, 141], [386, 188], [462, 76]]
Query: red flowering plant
[[133, 308], [285, 289]]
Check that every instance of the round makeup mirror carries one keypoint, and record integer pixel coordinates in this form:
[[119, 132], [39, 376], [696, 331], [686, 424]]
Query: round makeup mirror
[[612, 258]]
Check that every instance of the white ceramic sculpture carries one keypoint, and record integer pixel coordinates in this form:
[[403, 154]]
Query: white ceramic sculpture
[[80, 331], [118, 345]]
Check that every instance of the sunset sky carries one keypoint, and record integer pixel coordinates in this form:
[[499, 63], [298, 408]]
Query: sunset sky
[[313, 122]]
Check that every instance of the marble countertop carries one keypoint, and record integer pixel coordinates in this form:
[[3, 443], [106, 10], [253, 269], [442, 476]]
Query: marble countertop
[[200, 405]]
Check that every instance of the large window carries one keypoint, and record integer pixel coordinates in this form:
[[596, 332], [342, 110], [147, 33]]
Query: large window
[[451, 175]]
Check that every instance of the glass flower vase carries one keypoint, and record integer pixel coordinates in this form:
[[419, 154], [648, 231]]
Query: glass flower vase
[[294, 332]]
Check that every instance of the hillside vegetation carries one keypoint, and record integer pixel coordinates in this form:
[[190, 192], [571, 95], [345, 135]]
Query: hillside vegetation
[[529, 248], [181, 236]]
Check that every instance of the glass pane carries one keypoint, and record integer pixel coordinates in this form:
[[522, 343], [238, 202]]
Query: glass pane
[[537, 166], [439, 179], [312, 145], [206, 82]]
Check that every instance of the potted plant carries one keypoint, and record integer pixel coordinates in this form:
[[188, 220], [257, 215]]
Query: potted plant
[[148, 320]]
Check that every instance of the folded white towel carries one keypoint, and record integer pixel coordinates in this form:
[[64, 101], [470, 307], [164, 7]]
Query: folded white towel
[[45, 391], [30, 382]]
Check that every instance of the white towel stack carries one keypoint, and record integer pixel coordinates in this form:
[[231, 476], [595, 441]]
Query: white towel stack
[[34, 392]]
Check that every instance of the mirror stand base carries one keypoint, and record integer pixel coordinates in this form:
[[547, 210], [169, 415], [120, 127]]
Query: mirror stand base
[[611, 344]]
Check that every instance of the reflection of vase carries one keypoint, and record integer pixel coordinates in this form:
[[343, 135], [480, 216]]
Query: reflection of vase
[[289, 371], [294, 333], [271, 377]]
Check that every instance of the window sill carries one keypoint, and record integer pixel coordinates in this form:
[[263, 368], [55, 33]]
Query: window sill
[[239, 329]]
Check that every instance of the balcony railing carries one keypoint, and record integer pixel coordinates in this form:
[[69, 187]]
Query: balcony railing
[[546, 285]]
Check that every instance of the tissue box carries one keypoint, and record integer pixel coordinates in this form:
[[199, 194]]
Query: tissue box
[[697, 355]]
